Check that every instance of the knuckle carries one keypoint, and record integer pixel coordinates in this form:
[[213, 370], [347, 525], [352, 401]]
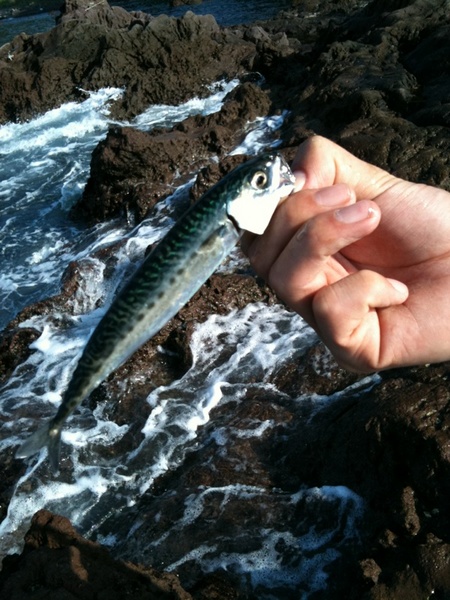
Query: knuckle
[[318, 141], [369, 279], [326, 305]]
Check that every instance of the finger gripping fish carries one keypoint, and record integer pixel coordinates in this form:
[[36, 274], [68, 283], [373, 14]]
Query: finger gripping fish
[[177, 267]]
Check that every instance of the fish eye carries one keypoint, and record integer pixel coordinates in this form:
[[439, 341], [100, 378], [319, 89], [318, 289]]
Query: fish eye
[[259, 180]]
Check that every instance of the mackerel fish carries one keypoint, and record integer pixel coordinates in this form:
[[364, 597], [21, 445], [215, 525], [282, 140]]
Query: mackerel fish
[[175, 269]]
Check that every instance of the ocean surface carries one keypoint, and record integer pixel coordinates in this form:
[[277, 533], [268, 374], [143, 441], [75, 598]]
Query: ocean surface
[[44, 165]]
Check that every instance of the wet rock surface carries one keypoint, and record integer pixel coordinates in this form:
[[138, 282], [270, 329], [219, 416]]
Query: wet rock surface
[[59, 563], [375, 79]]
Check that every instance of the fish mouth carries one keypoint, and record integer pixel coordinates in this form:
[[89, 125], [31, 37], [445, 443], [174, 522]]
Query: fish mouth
[[287, 177], [235, 224], [286, 182]]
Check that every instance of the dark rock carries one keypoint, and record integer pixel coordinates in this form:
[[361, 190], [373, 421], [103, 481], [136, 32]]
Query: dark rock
[[211, 174], [378, 87], [17, 337], [98, 13], [390, 446], [14, 349], [10, 471], [131, 170], [317, 373], [59, 563], [244, 446]]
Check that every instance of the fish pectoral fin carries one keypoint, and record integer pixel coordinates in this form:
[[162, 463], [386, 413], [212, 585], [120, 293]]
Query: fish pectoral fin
[[46, 436]]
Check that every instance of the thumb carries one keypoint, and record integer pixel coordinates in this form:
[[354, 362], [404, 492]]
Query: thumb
[[323, 163]]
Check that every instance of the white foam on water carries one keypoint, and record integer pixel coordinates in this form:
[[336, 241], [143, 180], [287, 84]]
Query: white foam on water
[[44, 166], [53, 129], [254, 340], [275, 559], [82, 494], [260, 135], [164, 115], [257, 338]]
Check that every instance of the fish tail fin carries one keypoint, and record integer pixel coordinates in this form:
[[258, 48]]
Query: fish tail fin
[[48, 435]]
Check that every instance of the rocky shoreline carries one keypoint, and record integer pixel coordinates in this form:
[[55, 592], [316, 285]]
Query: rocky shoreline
[[375, 77]]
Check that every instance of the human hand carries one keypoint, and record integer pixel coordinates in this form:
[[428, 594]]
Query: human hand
[[366, 262]]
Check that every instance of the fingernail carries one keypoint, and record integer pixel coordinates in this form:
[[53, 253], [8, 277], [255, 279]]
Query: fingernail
[[300, 179], [333, 195], [355, 212]]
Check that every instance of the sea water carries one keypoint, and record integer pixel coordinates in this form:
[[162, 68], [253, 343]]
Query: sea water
[[44, 165]]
